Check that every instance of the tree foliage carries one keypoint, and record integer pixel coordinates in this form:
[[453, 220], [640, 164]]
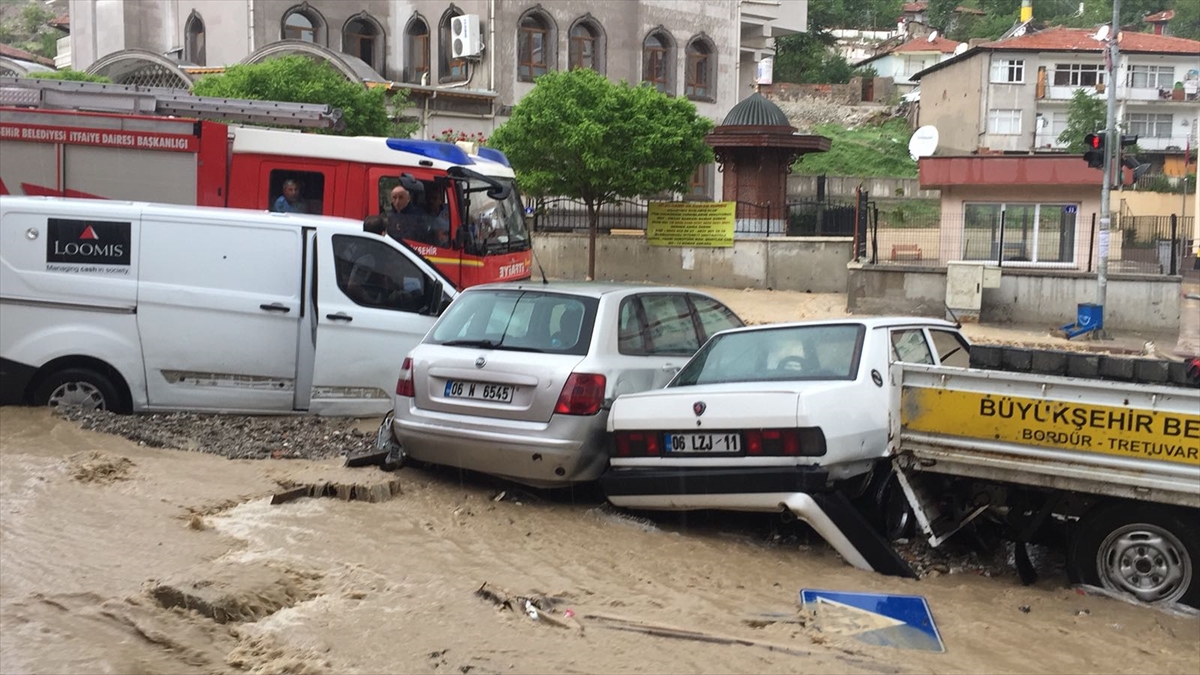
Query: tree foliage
[[576, 134], [304, 80], [1086, 113], [69, 74], [29, 29]]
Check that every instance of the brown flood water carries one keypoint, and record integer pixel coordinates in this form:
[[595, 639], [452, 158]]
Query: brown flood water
[[91, 525]]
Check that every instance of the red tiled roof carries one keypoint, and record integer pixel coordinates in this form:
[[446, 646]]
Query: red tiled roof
[[60, 21], [20, 54], [1061, 39], [939, 44], [1161, 16], [914, 7]]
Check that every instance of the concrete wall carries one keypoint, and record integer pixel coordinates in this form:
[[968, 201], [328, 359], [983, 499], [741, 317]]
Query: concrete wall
[[844, 186], [782, 263], [1154, 203], [1148, 303]]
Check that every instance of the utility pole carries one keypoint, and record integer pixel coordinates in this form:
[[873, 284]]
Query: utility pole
[[1111, 147]]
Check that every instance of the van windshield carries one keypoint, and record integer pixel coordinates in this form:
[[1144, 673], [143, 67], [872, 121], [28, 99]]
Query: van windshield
[[518, 320], [495, 226]]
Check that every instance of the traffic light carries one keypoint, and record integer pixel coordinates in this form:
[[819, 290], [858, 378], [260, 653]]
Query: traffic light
[[1094, 150]]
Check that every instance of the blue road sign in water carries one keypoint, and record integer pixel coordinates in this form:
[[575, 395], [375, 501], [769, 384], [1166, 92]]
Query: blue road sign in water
[[902, 621]]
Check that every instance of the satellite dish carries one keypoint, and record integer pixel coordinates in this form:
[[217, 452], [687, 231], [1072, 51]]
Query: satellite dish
[[932, 36], [1101, 34], [962, 47], [923, 142]]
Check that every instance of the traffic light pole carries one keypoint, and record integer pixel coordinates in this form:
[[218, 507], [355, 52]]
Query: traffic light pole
[[1112, 146]]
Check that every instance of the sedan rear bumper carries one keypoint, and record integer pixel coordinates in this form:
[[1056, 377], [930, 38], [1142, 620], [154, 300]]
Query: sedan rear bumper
[[618, 483]]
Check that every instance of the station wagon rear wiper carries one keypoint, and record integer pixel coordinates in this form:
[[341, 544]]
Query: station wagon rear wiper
[[485, 344]]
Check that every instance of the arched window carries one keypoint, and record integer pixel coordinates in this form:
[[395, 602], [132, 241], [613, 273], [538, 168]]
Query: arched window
[[193, 47], [363, 37], [450, 69], [304, 23], [586, 45], [536, 45], [416, 35], [658, 60], [701, 70]]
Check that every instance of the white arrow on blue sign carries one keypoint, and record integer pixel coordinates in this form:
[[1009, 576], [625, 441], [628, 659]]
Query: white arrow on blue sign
[[902, 621]]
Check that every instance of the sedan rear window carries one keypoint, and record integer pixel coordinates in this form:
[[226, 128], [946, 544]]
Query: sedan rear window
[[518, 320], [768, 354]]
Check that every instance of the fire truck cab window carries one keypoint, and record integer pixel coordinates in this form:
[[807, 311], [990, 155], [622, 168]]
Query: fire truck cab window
[[296, 192]]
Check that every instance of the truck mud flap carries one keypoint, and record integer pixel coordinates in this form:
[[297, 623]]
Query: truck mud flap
[[871, 546]]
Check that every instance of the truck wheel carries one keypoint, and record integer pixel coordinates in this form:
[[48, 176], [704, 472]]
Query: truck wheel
[[1142, 550], [78, 388]]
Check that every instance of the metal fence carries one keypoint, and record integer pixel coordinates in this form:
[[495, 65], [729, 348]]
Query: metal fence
[[1137, 244]]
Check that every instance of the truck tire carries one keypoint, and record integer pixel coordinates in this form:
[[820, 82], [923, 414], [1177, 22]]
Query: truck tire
[[1143, 550], [78, 387]]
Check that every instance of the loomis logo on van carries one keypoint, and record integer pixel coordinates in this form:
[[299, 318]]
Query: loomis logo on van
[[87, 242]]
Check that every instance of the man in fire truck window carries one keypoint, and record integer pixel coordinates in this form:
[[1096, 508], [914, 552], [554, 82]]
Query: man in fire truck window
[[289, 201], [406, 220]]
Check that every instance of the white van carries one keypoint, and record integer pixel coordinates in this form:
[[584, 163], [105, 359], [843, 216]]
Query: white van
[[143, 307]]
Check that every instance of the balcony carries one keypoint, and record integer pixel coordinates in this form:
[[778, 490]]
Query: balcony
[[62, 57], [1130, 94], [1171, 144]]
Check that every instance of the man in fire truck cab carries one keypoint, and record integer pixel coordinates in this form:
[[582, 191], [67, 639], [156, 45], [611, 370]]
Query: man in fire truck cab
[[289, 201], [406, 220]]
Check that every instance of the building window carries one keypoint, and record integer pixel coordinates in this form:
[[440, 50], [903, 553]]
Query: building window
[[586, 45], [658, 63], [1078, 75], [1058, 124], [417, 37], [1008, 71], [912, 66], [193, 49], [450, 69], [304, 23], [701, 59], [363, 37], [1038, 233], [1004, 122], [1149, 125], [700, 184], [535, 46], [1151, 77]]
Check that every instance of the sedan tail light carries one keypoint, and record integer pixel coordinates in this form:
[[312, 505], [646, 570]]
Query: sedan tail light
[[638, 443], [806, 442], [583, 394], [404, 385]]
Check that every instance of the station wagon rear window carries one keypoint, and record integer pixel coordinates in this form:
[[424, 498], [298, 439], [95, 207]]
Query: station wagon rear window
[[518, 320], [827, 352]]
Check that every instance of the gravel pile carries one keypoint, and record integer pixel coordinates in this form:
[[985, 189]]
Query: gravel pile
[[806, 113], [234, 436]]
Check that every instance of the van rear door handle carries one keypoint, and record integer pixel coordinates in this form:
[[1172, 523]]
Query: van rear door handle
[[670, 368], [275, 307], [340, 316]]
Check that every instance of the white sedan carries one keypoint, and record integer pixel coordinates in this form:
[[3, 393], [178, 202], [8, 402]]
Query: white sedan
[[774, 417]]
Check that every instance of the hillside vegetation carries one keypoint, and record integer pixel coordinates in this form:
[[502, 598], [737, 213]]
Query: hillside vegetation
[[871, 150]]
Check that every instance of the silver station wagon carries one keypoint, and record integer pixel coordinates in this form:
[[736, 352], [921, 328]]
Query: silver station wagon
[[516, 380]]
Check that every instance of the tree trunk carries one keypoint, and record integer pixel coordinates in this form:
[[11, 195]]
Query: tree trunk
[[593, 225]]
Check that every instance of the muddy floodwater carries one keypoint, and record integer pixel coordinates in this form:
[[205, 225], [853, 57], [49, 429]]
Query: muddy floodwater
[[119, 558]]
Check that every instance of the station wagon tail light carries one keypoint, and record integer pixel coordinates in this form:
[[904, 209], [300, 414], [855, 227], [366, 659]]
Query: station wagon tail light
[[404, 386], [583, 394], [637, 443], [808, 442]]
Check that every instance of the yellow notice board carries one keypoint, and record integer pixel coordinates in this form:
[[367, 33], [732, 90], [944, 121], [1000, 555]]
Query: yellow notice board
[[700, 224], [1080, 427]]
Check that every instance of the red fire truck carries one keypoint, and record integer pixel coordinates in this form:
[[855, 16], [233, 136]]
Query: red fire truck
[[168, 148]]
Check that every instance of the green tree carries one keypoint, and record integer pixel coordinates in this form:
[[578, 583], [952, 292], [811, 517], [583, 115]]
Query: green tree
[[1186, 23], [806, 58], [69, 74], [579, 135], [1085, 114], [303, 80], [29, 30]]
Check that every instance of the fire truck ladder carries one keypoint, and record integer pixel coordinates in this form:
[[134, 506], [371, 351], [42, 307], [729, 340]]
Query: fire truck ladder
[[99, 97]]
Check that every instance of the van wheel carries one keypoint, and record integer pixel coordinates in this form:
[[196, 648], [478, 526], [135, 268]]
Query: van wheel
[[1141, 550], [78, 388]]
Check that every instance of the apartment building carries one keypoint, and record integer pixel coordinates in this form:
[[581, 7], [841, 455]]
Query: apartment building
[[1012, 95]]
